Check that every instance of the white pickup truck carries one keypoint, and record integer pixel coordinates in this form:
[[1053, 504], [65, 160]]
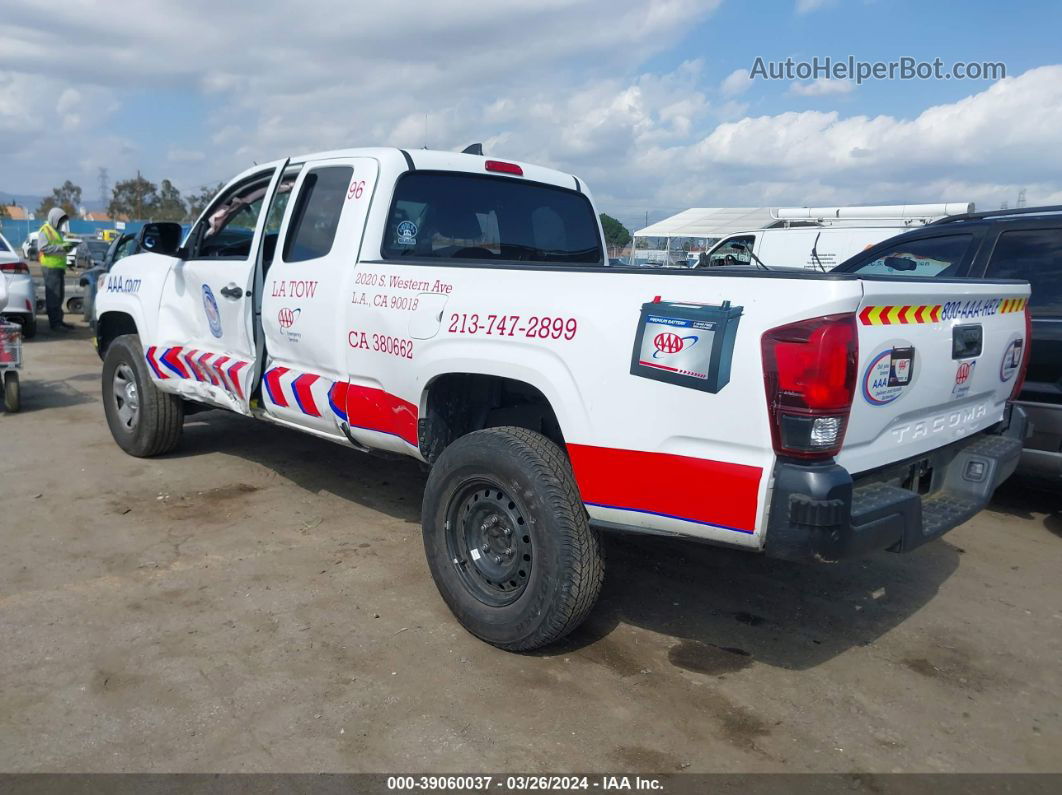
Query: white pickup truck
[[458, 309]]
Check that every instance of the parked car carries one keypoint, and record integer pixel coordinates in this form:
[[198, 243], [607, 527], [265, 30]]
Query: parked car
[[1002, 244], [90, 254], [459, 310], [20, 306], [90, 280]]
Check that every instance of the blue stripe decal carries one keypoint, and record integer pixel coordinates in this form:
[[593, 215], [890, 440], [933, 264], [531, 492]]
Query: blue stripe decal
[[670, 516]]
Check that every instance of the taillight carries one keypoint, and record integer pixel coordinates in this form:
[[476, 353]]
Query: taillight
[[1019, 382], [809, 369], [14, 267], [503, 167]]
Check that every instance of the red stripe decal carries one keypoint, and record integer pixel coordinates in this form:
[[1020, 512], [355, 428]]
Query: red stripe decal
[[864, 316], [272, 383], [234, 378], [171, 358], [303, 395], [935, 314], [695, 489], [376, 410], [883, 316], [219, 369], [155, 363], [193, 368], [204, 365]]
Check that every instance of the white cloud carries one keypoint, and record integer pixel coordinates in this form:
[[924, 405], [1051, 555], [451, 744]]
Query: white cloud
[[737, 82], [821, 87], [807, 6], [544, 83]]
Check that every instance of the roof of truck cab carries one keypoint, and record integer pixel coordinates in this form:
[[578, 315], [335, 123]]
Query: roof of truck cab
[[439, 160]]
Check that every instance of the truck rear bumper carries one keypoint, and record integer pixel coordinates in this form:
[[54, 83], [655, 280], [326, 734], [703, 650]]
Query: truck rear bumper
[[818, 512]]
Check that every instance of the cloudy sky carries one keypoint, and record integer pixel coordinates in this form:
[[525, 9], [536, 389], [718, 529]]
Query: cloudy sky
[[649, 101]]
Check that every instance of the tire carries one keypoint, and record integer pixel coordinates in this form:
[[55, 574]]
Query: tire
[[531, 586], [29, 327], [146, 421], [75, 305], [12, 392]]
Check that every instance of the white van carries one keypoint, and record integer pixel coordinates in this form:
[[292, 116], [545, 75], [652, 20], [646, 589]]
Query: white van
[[821, 238]]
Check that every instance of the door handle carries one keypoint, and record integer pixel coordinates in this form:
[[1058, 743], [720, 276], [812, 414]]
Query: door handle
[[231, 290]]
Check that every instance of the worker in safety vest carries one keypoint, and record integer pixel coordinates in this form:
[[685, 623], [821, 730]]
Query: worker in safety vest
[[52, 248]]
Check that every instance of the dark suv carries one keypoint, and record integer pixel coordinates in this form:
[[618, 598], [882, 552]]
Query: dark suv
[[1004, 244]]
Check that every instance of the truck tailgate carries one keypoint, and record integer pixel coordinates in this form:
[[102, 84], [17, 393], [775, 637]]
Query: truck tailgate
[[937, 362]]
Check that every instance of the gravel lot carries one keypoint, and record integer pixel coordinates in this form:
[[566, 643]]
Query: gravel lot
[[259, 601]]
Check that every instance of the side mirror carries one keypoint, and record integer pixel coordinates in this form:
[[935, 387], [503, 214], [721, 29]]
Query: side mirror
[[901, 263], [160, 237]]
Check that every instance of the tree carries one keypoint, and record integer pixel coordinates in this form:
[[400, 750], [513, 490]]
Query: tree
[[616, 234], [197, 202], [135, 199], [3, 211], [170, 205], [67, 196]]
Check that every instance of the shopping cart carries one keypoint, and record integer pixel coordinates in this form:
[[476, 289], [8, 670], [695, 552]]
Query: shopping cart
[[11, 363]]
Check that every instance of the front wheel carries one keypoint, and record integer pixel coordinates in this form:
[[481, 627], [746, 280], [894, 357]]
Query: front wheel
[[12, 391], [29, 327], [508, 540], [144, 420]]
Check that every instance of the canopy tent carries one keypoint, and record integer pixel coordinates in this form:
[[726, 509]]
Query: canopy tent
[[710, 222]]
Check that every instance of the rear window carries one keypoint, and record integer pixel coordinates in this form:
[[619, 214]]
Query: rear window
[[1036, 256], [446, 215], [928, 257]]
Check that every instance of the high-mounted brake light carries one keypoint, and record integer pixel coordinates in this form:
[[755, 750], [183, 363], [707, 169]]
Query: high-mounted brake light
[[503, 167], [809, 370], [1019, 381], [14, 267]]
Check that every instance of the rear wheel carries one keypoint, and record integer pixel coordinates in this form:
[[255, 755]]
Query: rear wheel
[[12, 391], [144, 420], [508, 540]]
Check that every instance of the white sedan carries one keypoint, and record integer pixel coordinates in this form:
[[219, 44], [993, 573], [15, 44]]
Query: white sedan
[[20, 306]]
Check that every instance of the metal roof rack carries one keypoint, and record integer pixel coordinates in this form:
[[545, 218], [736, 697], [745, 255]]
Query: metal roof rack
[[1053, 208]]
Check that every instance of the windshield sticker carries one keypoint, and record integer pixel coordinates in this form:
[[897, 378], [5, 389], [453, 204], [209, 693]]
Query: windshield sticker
[[889, 373], [963, 378], [407, 234], [210, 306], [1011, 359]]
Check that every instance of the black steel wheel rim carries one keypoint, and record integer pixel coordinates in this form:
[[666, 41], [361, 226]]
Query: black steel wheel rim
[[488, 540]]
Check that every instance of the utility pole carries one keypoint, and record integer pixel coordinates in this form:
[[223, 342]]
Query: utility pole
[[105, 187], [1021, 198], [138, 208]]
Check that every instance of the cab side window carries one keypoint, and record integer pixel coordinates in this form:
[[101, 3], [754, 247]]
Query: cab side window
[[1036, 256], [315, 218]]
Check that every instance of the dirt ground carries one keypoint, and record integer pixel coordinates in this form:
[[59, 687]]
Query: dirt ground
[[259, 601]]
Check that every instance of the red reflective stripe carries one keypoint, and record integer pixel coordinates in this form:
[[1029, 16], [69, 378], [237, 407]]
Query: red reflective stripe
[[864, 316], [934, 314], [696, 489], [376, 410], [276, 394], [883, 316], [219, 369], [204, 364], [234, 378], [189, 358], [172, 357], [301, 386]]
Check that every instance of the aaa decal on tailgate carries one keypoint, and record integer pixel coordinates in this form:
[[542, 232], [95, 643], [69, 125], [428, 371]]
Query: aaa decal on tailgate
[[934, 313]]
